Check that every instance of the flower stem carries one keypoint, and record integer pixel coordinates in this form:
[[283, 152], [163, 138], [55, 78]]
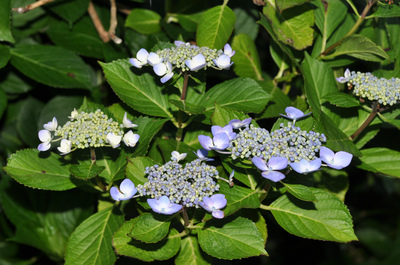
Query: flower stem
[[93, 159], [354, 28], [367, 121], [185, 216], [265, 207], [179, 133]]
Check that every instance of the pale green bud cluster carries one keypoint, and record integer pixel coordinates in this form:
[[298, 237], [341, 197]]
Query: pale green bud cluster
[[89, 130], [385, 91], [178, 55]]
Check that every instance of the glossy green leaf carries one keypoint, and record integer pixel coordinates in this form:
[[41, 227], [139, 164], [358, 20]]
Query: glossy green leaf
[[334, 181], [342, 100], [144, 21], [386, 10], [189, 22], [318, 82], [301, 192], [86, 172], [246, 59], [139, 91], [267, 23], [4, 56], [248, 96], [135, 170], [150, 227], [381, 160], [245, 173], [127, 246], [90, 243], [187, 107], [13, 82], [360, 47], [278, 103], [191, 253], [69, 10], [43, 219], [215, 27], [52, 66], [222, 116], [81, 38], [394, 36], [5, 22], [325, 219], [39, 171], [232, 239], [239, 197], [328, 16], [293, 26], [245, 22], [285, 4]]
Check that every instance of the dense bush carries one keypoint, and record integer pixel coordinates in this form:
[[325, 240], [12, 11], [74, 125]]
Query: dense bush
[[195, 132]]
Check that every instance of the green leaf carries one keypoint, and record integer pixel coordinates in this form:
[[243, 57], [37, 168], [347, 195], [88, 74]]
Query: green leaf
[[360, 47], [278, 103], [318, 82], [191, 253], [138, 91], [394, 37], [147, 128], [245, 22], [325, 219], [293, 26], [381, 160], [328, 16], [13, 82], [334, 181], [231, 239], [86, 172], [127, 246], [43, 219], [90, 243], [81, 38], [150, 228], [46, 172], [70, 10], [267, 23], [144, 21], [52, 66], [241, 94], [336, 139], [386, 10], [5, 22], [222, 116], [135, 170], [246, 59], [245, 173], [189, 22], [238, 197], [4, 55], [187, 107], [342, 100], [215, 27], [301, 192], [27, 122], [285, 4]]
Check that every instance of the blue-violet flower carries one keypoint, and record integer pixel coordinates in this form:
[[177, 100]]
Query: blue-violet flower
[[163, 205], [126, 191], [337, 161]]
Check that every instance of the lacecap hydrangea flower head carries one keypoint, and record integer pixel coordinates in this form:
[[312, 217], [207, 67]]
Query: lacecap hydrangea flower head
[[87, 130], [367, 86], [183, 57]]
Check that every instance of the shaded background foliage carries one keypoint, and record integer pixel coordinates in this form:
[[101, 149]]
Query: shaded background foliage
[[49, 60]]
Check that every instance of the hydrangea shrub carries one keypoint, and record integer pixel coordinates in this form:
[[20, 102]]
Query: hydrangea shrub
[[177, 131]]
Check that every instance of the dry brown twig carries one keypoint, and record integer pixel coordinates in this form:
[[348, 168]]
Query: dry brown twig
[[31, 6]]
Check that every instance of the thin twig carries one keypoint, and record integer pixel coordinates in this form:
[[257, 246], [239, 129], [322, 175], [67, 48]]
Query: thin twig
[[113, 23], [31, 6], [97, 23], [371, 116]]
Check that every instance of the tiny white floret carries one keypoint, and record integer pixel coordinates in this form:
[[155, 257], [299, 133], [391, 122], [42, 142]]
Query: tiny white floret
[[51, 125], [65, 147], [127, 122], [130, 139], [113, 140]]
